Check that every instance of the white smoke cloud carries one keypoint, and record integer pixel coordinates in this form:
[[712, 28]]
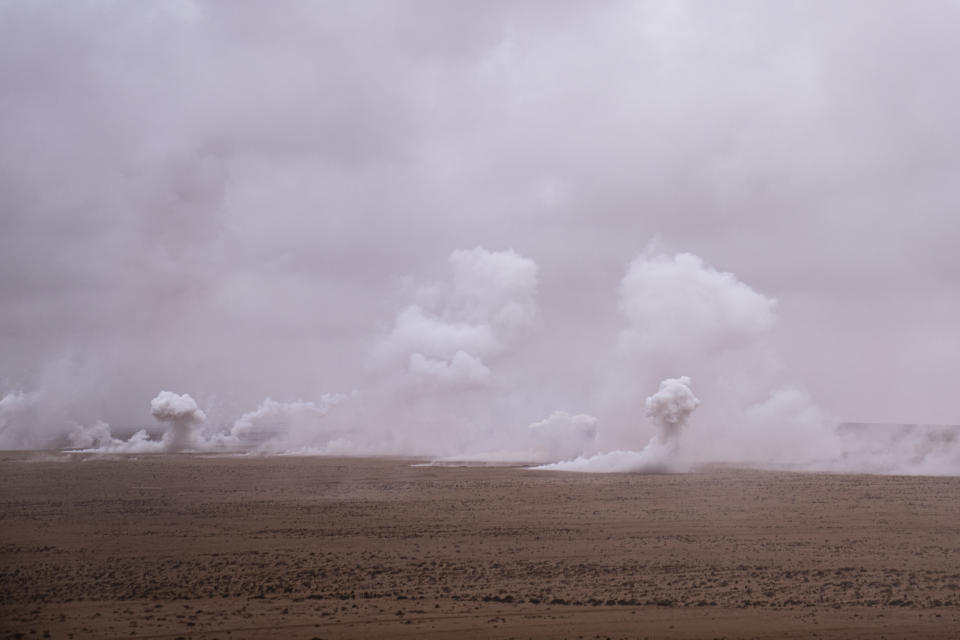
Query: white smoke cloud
[[91, 437], [17, 419], [669, 409], [182, 413], [416, 331], [619, 461], [682, 313], [273, 427], [681, 308], [897, 449], [494, 287], [463, 370], [272, 416], [248, 198], [788, 425], [172, 407], [490, 304], [443, 376], [448, 383], [278, 426], [559, 436], [98, 438], [562, 436]]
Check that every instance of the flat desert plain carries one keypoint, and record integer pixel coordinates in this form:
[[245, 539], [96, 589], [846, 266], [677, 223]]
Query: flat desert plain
[[191, 546]]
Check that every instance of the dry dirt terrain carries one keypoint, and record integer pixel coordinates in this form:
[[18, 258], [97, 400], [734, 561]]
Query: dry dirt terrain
[[171, 546]]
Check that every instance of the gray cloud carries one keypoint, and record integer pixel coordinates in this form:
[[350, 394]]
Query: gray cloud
[[240, 202]]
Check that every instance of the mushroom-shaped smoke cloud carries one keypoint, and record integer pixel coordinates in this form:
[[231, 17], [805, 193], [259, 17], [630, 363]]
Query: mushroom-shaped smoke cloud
[[670, 407], [182, 412]]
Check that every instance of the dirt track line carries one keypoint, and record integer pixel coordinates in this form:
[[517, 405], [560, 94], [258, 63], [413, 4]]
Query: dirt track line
[[556, 615]]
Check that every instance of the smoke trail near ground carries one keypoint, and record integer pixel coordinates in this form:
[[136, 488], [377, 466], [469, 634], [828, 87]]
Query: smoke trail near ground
[[277, 426], [561, 435], [273, 427], [455, 377], [98, 438], [179, 412], [669, 409], [898, 449]]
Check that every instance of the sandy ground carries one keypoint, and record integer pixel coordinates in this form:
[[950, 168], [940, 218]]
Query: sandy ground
[[246, 547]]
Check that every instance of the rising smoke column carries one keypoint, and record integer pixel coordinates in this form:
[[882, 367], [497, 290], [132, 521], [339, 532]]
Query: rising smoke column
[[669, 409], [16, 418], [182, 412], [443, 375]]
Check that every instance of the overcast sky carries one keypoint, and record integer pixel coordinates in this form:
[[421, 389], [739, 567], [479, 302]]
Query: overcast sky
[[247, 199]]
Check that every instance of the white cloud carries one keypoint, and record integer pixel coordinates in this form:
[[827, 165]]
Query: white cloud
[[416, 331], [17, 419], [491, 302], [678, 305], [561, 436], [462, 370]]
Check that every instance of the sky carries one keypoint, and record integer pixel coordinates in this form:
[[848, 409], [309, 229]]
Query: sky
[[442, 224]]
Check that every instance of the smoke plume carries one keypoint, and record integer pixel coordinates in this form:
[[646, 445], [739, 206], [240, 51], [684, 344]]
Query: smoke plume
[[466, 361], [562, 436], [452, 328], [98, 438], [278, 426], [668, 408], [182, 414], [17, 419]]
